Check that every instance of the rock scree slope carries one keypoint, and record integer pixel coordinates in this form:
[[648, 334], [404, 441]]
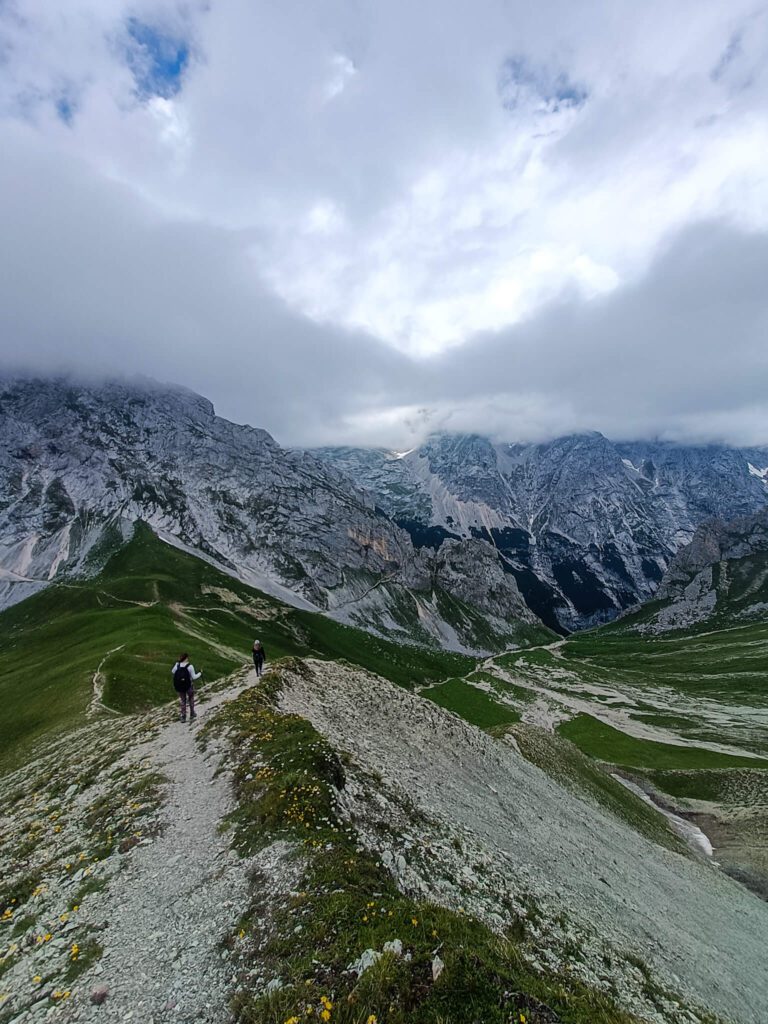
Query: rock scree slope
[[701, 931]]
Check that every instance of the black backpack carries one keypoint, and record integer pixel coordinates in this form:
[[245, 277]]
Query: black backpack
[[182, 680]]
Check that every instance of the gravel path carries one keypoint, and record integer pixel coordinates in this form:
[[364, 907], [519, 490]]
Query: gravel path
[[167, 912]]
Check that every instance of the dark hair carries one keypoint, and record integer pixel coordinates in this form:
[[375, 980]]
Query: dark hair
[[183, 657]]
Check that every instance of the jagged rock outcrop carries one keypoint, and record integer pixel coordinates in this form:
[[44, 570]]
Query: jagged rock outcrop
[[722, 573], [471, 571], [587, 526], [80, 463]]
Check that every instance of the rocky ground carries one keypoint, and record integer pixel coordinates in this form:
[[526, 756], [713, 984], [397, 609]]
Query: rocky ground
[[122, 898], [135, 893], [604, 897]]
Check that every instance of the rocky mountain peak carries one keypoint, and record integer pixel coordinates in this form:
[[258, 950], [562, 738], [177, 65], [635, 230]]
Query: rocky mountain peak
[[82, 461], [586, 525]]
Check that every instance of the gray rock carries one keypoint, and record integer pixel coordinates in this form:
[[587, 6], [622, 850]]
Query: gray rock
[[80, 464], [612, 513], [365, 961]]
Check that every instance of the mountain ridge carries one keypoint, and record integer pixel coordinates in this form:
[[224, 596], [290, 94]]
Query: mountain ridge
[[586, 526], [82, 462]]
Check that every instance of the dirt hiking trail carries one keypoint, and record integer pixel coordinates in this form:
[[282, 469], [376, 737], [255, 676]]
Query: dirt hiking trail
[[165, 914]]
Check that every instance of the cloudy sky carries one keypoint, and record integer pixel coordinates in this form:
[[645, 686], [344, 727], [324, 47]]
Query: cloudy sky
[[358, 221]]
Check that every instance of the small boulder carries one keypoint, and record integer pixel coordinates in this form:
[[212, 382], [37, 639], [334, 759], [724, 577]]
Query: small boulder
[[99, 995], [366, 959]]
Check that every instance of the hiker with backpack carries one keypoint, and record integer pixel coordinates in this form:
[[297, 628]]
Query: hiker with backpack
[[184, 676], [259, 656]]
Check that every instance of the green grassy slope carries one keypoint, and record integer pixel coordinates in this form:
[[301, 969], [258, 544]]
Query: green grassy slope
[[602, 741], [471, 704], [729, 661], [150, 602]]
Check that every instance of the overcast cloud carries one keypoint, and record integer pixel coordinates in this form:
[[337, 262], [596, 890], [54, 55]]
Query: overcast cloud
[[357, 222]]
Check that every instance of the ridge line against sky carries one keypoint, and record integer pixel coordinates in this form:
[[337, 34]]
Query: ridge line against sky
[[360, 224]]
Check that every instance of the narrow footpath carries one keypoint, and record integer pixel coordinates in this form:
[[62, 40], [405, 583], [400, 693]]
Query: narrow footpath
[[166, 913]]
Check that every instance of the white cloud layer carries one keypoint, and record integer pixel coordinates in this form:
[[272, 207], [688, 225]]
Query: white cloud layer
[[359, 222]]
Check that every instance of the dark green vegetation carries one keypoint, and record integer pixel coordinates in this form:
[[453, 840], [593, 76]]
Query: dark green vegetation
[[735, 787], [602, 741], [345, 903], [131, 621], [471, 704]]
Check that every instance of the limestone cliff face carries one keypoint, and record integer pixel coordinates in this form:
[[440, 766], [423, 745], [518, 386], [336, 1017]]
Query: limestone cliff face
[[77, 458], [586, 526], [722, 574], [472, 571], [80, 463]]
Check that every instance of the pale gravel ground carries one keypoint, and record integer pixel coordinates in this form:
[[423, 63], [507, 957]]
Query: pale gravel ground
[[701, 932], [168, 910]]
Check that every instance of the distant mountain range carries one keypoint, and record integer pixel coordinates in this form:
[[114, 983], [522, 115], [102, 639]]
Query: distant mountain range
[[80, 464], [461, 542], [586, 526]]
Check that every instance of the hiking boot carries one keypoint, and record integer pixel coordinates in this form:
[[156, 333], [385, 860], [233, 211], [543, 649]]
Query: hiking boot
[[182, 718], [192, 716]]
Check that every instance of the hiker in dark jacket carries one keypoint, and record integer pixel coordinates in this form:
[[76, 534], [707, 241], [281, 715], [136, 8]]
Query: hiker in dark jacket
[[259, 657], [184, 676]]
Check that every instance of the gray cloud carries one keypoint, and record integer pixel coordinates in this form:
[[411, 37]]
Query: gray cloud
[[501, 220]]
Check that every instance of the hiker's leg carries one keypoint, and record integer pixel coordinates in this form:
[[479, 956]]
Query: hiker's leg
[[191, 695], [182, 704]]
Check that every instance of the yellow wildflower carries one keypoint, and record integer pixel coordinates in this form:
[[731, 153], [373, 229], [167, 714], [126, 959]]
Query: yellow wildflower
[[325, 1014], [414, 921], [74, 952], [292, 1020], [372, 1019], [37, 979]]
